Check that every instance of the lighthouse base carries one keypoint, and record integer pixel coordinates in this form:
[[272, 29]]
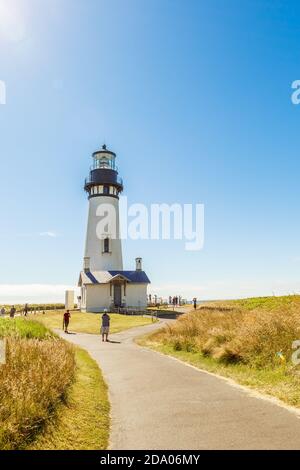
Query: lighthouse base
[[113, 289]]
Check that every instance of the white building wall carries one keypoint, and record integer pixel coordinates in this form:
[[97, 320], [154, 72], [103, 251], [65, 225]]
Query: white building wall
[[97, 297], [136, 295], [100, 261], [83, 298], [69, 299]]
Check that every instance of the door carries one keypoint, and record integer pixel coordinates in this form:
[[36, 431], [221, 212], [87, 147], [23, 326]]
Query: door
[[117, 295]]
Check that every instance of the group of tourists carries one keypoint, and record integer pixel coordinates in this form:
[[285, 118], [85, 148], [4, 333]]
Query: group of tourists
[[172, 301], [175, 300], [25, 311], [11, 312]]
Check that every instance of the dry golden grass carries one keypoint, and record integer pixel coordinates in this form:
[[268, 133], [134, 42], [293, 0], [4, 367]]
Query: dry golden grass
[[233, 333], [52, 395], [33, 382]]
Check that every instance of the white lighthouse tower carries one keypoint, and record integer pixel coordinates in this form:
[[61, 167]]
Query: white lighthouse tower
[[103, 251], [103, 282]]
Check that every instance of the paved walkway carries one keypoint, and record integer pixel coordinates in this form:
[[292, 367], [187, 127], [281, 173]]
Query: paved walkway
[[160, 403]]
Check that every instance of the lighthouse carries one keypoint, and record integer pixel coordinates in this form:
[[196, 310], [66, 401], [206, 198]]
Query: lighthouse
[[103, 188], [104, 284]]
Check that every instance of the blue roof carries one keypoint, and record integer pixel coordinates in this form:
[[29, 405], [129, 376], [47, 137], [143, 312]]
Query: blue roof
[[133, 276], [103, 277], [91, 277]]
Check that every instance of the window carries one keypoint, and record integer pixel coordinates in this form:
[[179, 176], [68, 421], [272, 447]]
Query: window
[[106, 245], [104, 163], [106, 190]]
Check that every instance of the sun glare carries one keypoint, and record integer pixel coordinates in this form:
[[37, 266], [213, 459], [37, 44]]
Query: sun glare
[[12, 24]]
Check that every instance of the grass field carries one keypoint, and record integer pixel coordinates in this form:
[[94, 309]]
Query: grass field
[[248, 340], [90, 322], [20, 328], [34, 380], [51, 394], [81, 423], [262, 303]]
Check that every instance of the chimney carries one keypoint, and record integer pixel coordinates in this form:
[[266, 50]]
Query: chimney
[[86, 264], [138, 264]]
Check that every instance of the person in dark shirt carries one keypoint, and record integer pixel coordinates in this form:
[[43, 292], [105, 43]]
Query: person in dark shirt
[[26, 309], [12, 312], [66, 321], [105, 326]]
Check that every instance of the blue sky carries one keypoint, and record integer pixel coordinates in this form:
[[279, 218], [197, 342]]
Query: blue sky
[[195, 99]]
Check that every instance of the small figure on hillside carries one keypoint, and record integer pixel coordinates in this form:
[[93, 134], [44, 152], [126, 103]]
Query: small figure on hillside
[[66, 321], [195, 302], [26, 309], [105, 326], [12, 311], [3, 311]]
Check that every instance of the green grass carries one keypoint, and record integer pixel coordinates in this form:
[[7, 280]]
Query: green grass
[[82, 423], [90, 322], [265, 303], [24, 328]]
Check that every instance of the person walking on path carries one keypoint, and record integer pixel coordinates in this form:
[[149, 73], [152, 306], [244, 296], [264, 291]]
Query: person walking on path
[[195, 302], [105, 326], [12, 312], [2, 312], [66, 321], [26, 309]]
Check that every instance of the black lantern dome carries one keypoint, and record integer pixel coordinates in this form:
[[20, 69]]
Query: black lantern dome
[[103, 179]]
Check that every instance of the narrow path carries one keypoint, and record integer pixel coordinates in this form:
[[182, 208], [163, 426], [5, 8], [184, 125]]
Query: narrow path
[[160, 403]]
